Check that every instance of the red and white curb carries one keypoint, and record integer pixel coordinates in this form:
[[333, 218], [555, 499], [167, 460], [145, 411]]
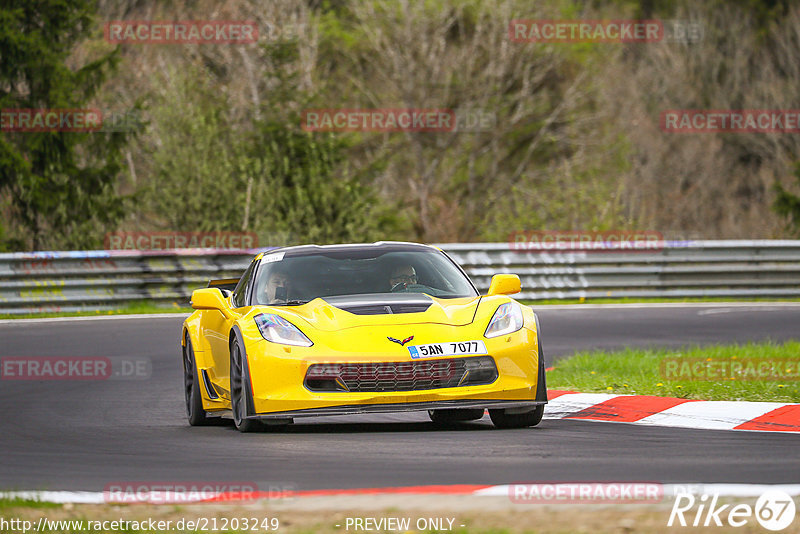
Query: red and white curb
[[674, 412], [666, 491]]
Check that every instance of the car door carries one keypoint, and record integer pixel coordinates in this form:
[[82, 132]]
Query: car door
[[217, 330]]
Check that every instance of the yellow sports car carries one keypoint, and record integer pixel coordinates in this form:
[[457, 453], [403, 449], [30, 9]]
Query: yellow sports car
[[346, 329]]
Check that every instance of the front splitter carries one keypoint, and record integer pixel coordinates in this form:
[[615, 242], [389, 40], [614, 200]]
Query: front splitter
[[352, 409]]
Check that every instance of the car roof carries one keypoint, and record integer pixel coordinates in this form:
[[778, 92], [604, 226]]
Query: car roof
[[379, 246]]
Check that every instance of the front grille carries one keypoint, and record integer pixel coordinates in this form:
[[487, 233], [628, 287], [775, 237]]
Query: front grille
[[401, 376]]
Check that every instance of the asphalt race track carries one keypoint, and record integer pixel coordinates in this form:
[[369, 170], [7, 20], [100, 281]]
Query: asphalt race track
[[85, 435]]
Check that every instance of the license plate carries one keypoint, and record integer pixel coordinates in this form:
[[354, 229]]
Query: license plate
[[447, 349]]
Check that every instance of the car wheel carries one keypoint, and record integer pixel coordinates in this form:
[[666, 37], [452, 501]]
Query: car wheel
[[457, 415], [501, 419], [191, 386], [240, 391]]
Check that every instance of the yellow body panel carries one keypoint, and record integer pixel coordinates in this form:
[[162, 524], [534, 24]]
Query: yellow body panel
[[278, 371]]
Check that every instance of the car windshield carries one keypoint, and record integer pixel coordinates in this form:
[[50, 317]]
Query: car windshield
[[299, 278]]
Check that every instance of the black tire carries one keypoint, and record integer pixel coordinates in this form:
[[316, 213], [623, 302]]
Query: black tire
[[456, 415], [541, 381], [240, 391], [191, 385], [501, 419]]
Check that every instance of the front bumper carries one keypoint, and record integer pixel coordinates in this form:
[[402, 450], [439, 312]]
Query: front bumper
[[278, 373]]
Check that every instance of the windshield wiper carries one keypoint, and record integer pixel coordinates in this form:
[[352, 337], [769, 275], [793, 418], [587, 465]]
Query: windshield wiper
[[294, 303]]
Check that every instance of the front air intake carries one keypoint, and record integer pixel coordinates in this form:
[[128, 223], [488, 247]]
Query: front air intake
[[415, 375]]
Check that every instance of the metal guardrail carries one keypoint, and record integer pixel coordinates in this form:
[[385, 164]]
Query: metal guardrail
[[98, 280]]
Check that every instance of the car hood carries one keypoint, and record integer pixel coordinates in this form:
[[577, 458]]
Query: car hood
[[341, 312]]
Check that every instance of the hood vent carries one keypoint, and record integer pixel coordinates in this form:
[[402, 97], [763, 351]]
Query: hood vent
[[381, 303], [393, 308]]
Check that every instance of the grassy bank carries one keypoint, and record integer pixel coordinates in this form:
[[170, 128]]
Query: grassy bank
[[145, 307], [752, 372], [470, 515], [133, 308]]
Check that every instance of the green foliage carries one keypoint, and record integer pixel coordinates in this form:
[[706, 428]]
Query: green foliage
[[335, 33], [763, 11], [200, 169], [788, 205], [300, 183], [60, 186], [224, 150], [306, 190], [271, 178]]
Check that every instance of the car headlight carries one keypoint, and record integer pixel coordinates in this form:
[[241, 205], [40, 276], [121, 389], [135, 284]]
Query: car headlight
[[506, 320], [278, 330]]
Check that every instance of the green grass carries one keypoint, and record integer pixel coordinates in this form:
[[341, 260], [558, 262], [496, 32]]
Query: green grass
[[651, 300], [17, 502], [644, 372], [133, 308]]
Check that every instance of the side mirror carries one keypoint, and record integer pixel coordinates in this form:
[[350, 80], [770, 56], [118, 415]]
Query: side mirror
[[210, 298], [504, 284]]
